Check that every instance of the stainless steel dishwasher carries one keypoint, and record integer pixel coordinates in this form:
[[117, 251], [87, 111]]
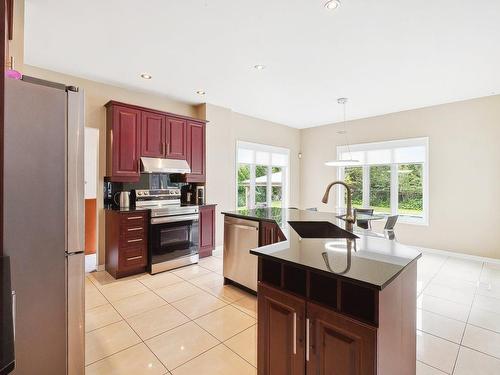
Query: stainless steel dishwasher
[[239, 237]]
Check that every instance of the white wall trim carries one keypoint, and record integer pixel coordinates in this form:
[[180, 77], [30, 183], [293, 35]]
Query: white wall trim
[[453, 254]]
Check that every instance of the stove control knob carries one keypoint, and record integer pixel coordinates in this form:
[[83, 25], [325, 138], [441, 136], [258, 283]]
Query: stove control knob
[[139, 193]]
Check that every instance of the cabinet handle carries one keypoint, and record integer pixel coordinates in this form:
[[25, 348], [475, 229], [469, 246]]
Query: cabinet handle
[[14, 313], [294, 333], [168, 148], [135, 258], [307, 339], [136, 240], [134, 217], [134, 229]]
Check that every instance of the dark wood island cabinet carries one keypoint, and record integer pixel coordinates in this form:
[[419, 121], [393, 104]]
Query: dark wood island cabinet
[[342, 304]]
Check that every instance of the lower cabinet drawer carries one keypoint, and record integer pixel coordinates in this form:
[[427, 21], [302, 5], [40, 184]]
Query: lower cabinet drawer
[[132, 242], [133, 257]]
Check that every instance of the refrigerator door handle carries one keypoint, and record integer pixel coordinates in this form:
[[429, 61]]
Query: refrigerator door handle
[[75, 197]]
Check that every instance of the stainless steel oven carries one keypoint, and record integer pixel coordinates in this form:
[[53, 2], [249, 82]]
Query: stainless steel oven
[[173, 239]]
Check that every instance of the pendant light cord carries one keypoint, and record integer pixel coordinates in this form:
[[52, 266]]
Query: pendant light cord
[[344, 102]]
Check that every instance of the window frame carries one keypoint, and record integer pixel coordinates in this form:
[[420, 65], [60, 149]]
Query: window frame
[[394, 184], [286, 173]]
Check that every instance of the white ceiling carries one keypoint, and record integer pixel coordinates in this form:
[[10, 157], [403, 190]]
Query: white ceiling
[[384, 55]]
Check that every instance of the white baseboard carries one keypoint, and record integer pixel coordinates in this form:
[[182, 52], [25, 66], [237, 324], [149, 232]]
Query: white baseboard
[[453, 254]]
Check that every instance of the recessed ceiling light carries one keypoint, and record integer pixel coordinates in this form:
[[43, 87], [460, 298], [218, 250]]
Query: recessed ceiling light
[[146, 76], [200, 92], [332, 4], [259, 67]]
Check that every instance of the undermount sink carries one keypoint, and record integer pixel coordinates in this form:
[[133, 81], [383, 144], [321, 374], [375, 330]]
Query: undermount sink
[[319, 229]]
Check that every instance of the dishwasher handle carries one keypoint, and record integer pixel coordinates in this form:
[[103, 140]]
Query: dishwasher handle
[[240, 226]]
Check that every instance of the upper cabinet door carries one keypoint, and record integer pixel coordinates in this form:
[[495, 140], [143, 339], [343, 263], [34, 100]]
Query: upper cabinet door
[[153, 143], [196, 151], [176, 139], [125, 143]]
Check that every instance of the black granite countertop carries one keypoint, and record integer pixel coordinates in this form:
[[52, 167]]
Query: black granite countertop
[[369, 259], [6, 322]]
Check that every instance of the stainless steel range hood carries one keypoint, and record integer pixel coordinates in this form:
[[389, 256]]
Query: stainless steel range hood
[[157, 165]]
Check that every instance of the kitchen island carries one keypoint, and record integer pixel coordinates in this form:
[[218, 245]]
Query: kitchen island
[[331, 301]]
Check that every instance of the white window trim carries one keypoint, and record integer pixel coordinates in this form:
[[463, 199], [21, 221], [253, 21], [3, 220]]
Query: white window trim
[[286, 176], [424, 221]]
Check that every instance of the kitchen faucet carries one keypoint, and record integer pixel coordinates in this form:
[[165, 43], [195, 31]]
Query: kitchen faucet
[[350, 216]]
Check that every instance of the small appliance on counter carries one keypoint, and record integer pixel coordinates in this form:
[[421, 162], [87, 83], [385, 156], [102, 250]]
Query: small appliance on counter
[[200, 195], [124, 199]]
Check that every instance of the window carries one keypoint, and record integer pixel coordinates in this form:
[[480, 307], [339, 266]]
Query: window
[[261, 175], [391, 177]]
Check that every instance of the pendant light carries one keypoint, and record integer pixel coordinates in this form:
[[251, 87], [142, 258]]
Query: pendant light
[[343, 162]]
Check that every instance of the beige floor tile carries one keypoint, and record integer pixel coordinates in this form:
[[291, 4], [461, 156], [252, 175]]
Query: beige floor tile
[[138, 304], [198, 305], [159, 280], [124, 289], [227, 293], [209, 281], [482, 340], [108, 340], [440, 326], [133, 361], [101, 316], [102, 278], [177, 291], [245, 345], [217, 361], [93, 298], [464, 296], [485, 319], [181, 344], [436, 352], [423, 369], [489, 289], [157, 321], [248, 305], [226, 322], [443, 307], [212, 263], [190, 272], [487, 303], [491, 274], [470, 362]]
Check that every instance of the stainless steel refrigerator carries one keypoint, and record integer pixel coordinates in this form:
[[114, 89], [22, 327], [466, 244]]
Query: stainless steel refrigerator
[[44, 224]]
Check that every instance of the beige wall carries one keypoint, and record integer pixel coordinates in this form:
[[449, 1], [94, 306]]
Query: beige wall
[[464, 170], [224, 129]]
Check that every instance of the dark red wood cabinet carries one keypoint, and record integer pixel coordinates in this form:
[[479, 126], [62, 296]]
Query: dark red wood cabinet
[[126, 242], [299, 337], [134, 131], [196, 151], [207, 230], [339, 345], [152, 135], [123, 133], [281, 329], [176, 139], [269, 233]]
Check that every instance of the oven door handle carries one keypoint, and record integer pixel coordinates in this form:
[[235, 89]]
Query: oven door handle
[[174, 219]]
